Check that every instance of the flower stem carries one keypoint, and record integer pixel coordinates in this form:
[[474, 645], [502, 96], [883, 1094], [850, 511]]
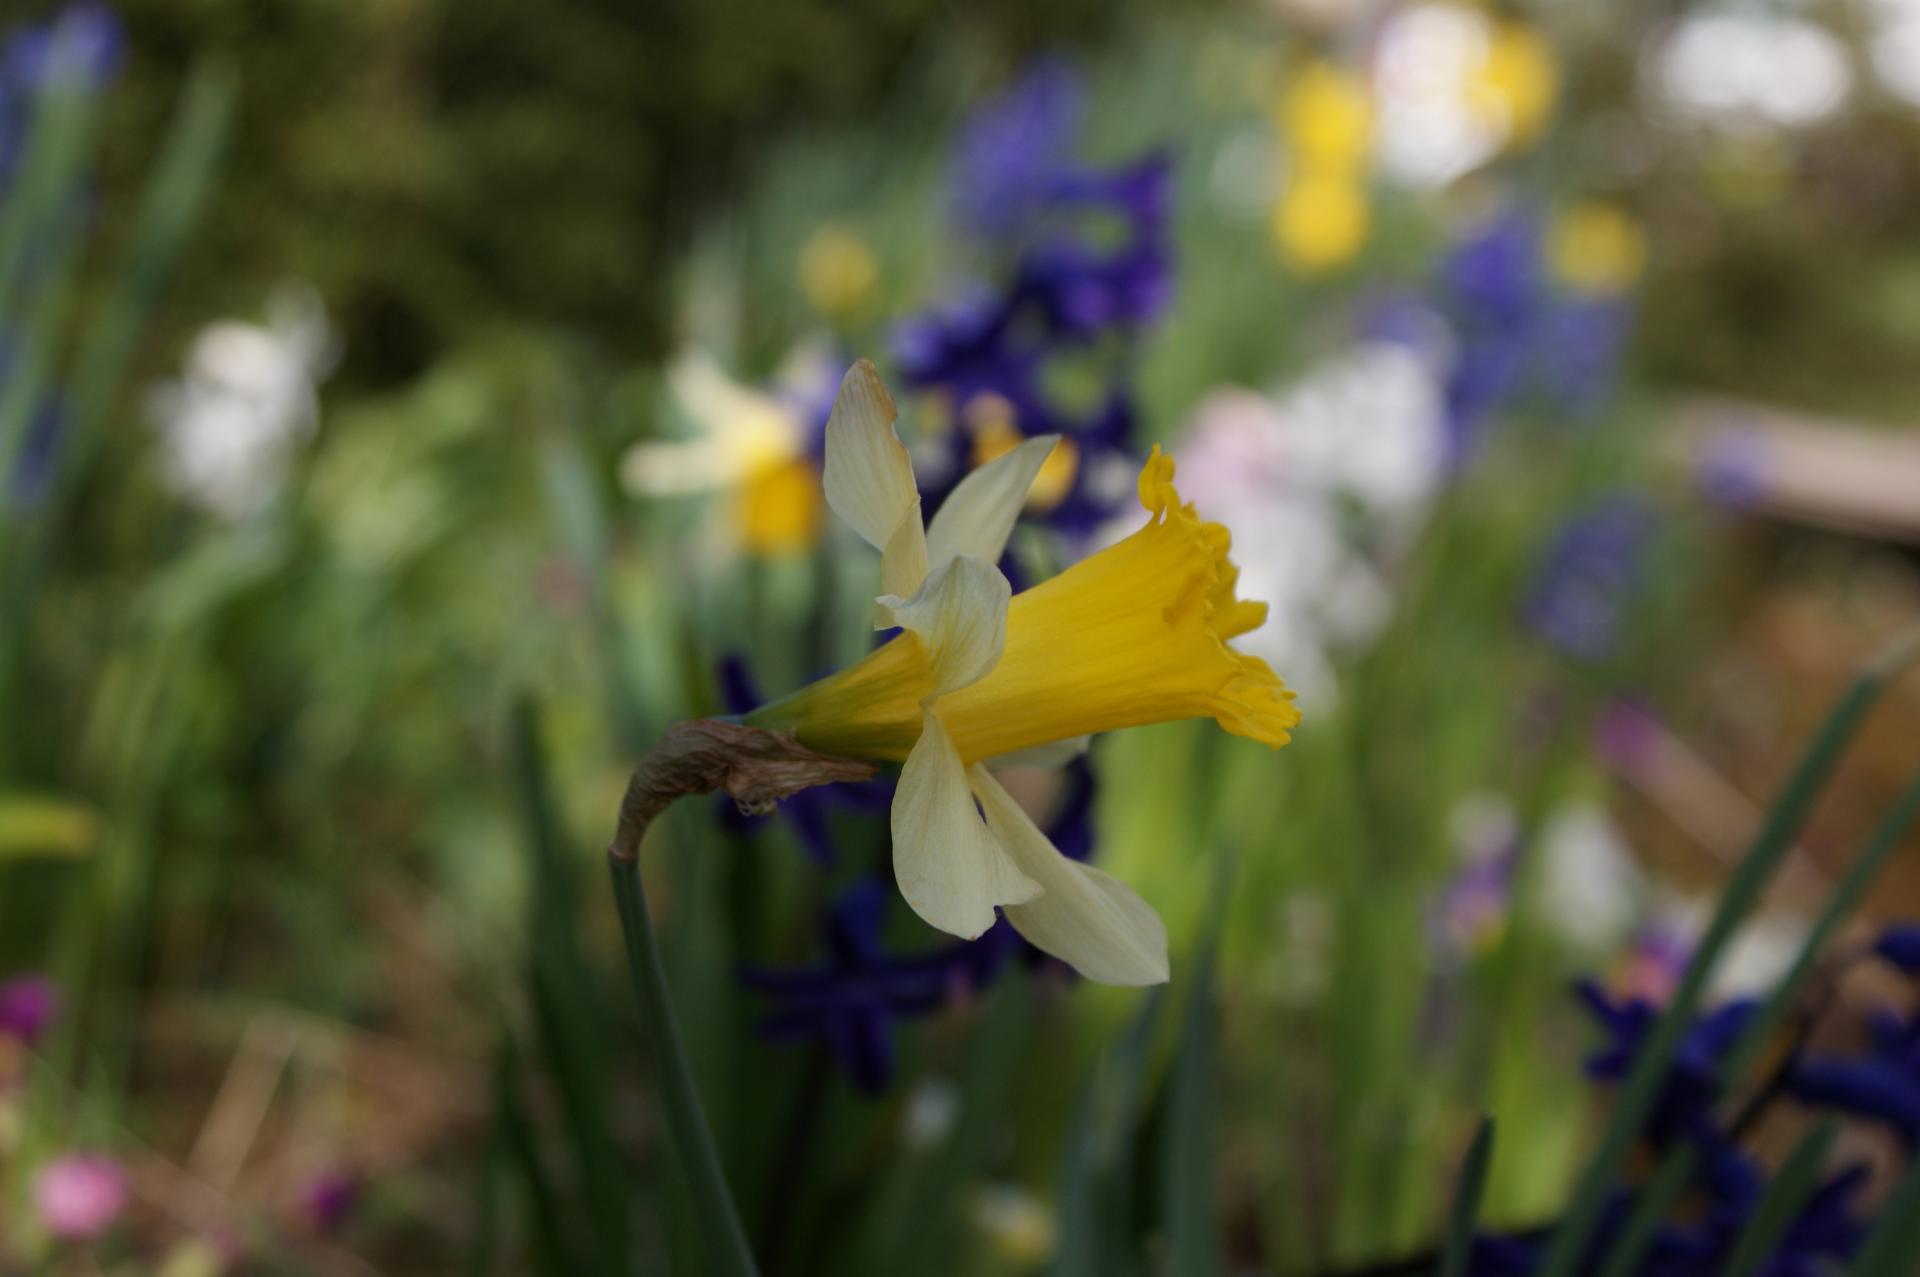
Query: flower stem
[[757, 768], [720, 1228]]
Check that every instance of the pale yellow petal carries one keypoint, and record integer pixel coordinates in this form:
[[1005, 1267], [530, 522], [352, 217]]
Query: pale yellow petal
[[960, 615], [667, 468], [978, 516], [951, 870], [869, 477], [1088, 919], [903, 561]]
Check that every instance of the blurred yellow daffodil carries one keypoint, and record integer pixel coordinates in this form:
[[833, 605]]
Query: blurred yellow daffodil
[[751, 450], [1325, 122], [995, 434], [1516, 83], [1596, 248], [1325, 119], [837, 271], [1137, 633], [1321, 220]]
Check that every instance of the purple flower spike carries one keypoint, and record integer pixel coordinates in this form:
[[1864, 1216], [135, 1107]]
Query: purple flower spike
[[79, 1196], [28, 1005], [83, 43], [1010, 152], [1900, 945], [1590, 577]]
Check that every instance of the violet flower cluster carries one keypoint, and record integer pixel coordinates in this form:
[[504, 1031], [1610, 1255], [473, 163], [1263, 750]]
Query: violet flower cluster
[[1879, 1084], [1519, 336], [1088, 269]]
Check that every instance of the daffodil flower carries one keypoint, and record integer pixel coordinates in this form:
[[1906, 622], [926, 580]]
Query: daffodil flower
[[752, 446], [1135, 634]]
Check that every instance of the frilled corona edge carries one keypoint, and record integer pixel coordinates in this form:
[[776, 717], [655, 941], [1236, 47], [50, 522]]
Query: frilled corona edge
[[754, 766]]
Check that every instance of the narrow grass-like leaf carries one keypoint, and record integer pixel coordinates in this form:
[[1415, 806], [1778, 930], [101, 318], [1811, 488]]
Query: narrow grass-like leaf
[[921, 1217], [1570, 1240], [1464, 1219], [1096, 1215], [1655, 1202], [55, 151], [567, 1011], [1791, 1187], [1892, 1249], [523, 1152], [1189, 1205], [721, 1231], [1886, 839]]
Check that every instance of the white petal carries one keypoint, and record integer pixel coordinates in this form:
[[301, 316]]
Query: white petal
[[660, 469], [869, 478], [960, 613], [1057, 754], [903, 561], [712, 398], [978, 516], [949, 867], [1088, 919]]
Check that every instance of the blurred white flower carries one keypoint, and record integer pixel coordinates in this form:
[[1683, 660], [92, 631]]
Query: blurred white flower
[[1894, 47], [1591, 886], [1454, 86], [1362, 436], [230, 426], [1750, 70], [933, 1106], [1429, 134], [1753, 961], [1369, 426]]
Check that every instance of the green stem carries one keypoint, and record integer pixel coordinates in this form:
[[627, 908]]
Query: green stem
[[1466, 1202], [725, 1239]]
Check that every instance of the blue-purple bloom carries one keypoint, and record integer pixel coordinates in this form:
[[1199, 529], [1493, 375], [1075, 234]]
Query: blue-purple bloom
[[1076, 290], [1883, 1084], [1686, 1101], [857, 995], [82, 44], [1880, 1083], [1012, 151], [1899, 945], [1586, 583], [1515, 334], [1728, 1183]]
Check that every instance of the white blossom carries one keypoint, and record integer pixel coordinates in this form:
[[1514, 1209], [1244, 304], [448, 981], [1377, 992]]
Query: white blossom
[[231, 425]]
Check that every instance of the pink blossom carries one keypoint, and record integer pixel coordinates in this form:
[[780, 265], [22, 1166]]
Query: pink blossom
[[80, 1195]]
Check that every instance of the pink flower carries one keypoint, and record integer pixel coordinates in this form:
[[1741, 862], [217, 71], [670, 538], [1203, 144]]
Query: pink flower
[[28, 1004], [80, 1195]]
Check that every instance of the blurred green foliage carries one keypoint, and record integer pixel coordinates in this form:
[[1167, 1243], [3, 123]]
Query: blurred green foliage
[[439, 167]]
